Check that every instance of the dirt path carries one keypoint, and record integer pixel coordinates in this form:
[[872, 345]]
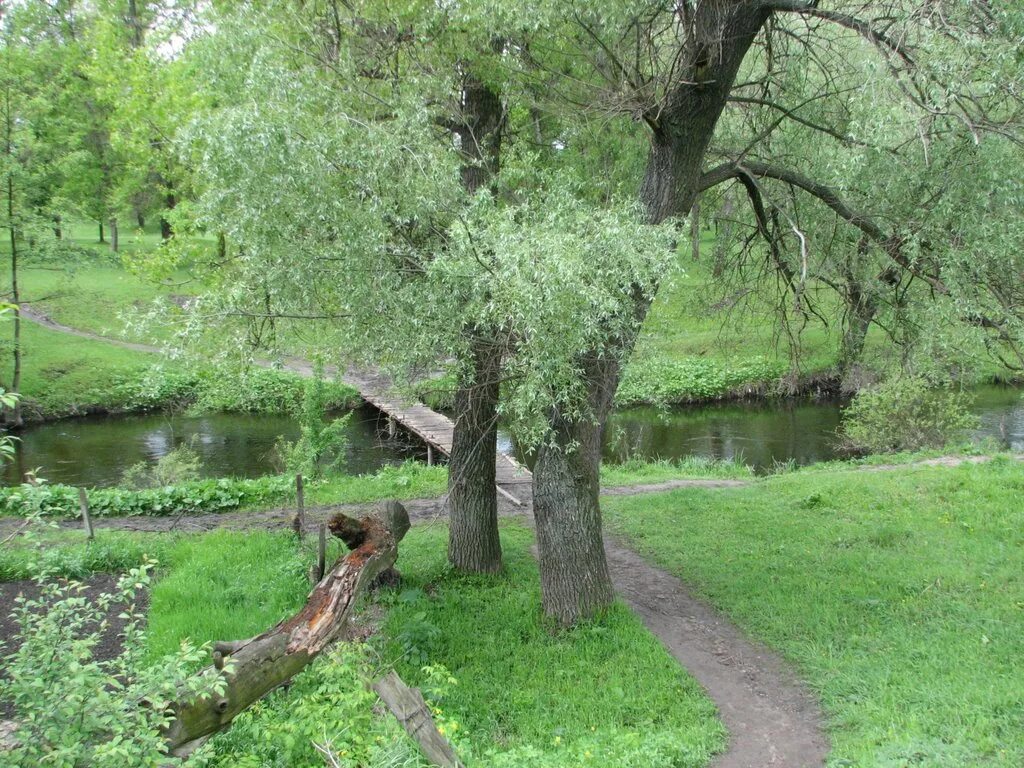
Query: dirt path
[[773, 720]]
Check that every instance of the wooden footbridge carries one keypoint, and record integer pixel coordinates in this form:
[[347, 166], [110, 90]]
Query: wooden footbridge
[[512, 480]]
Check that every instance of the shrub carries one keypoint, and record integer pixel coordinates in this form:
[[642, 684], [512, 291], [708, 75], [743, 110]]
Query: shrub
[[322, 442], [73, 709], [691, 379], [196, 497], [177, 466], [904, 414]]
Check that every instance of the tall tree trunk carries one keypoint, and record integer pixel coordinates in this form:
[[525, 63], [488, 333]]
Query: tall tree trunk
[[114, 244], [574, 577], [102, 238], [166, 230], [574, 572], [473, 543], [15, 416], [140, 219]]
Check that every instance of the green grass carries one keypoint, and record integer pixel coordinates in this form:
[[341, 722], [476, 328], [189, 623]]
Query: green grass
[[225, 585], [67, 553], [899, 595], [640, 472], [605, 693], [411, 480], [63, 375]]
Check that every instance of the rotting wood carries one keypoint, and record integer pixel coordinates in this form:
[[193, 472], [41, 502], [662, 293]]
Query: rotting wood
[[411, 710], [254, 667], [299, 521]]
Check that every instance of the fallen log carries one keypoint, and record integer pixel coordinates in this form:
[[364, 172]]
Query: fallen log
[[412, 712], [262, 663]]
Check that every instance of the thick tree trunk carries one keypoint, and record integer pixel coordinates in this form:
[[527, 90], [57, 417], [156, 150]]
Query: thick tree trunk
[[102, 238], [166, 230], [114, 244], [262, 663], [473, 543], [574, 577]]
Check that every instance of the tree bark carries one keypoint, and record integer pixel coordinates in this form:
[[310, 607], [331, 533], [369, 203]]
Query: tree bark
[[102, 238], [114, 244], [166, 230], [473, 542], [264, 662], [15, 415], [574, 576]]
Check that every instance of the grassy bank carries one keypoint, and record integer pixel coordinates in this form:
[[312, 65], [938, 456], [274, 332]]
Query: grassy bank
[[65, 375], [605, 693], [509, 689], [898, 594], [410, 480]]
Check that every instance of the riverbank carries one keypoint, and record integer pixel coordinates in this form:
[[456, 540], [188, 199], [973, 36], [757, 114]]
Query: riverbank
[[66, 375]]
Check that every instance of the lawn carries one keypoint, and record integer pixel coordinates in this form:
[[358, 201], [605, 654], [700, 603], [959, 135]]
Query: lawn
[[605, 693], [899, 596], [64, 375]]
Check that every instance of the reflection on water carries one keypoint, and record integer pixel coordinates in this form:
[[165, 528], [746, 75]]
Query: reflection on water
[[96, 450], [766, 433]]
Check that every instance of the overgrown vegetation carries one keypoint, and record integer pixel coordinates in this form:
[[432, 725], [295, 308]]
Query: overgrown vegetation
[[407, 481], [905, 414], [73, 708], [898, 595]]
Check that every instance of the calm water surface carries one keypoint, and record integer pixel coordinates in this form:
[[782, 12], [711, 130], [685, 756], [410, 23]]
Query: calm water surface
[[96, 451]]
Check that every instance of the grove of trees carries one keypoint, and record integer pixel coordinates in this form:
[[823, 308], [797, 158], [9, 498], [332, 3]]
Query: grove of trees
[[502, 188]]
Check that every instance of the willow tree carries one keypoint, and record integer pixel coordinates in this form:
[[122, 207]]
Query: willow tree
[[370, 130], [715, 83]]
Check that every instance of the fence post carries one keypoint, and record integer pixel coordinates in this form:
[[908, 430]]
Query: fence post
[[83, 504], [430, 455], [321, 552], [299, 521]]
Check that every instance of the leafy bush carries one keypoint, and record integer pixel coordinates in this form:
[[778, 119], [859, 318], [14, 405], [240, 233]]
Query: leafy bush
[[72, 709], [177, 466], [328, 708], [905, 414], [199, 496], [261, 390], [322, 443], [691, 379]]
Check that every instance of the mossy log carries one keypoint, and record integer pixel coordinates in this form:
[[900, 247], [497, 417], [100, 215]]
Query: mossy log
[[262, 663]]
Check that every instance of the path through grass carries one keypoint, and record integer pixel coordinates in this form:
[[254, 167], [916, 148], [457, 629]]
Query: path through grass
[[899, 595]]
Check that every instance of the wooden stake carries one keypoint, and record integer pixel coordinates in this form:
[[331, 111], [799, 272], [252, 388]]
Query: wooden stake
[[430, 455], [83, 504], [408, 706], [299, 521], [321, 553]]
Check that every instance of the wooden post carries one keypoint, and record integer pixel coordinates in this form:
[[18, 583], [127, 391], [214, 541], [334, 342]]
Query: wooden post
[[299, 521], [83, 504], [321, 553], [430, 455], [411, 710]]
